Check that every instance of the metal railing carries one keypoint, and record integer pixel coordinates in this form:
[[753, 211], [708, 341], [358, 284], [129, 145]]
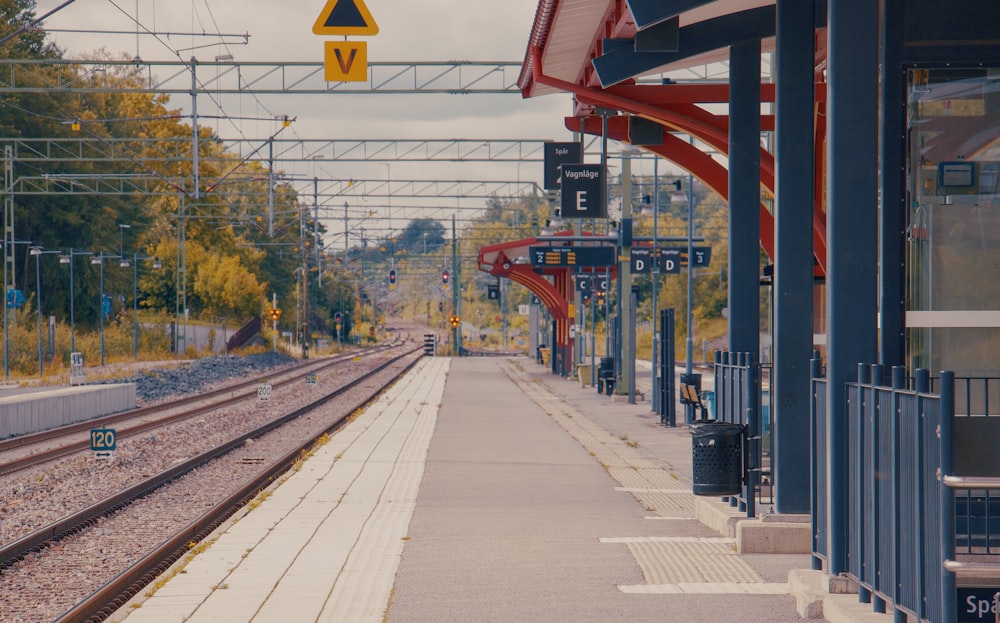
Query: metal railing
[[738, 389], [923, 487], [818, 442]]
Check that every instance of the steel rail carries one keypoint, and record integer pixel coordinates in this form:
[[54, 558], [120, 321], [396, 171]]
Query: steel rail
[[229, 396], [75, 522], [103, 603]]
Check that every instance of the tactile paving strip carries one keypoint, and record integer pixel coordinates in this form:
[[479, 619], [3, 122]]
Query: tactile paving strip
[[693, 565]]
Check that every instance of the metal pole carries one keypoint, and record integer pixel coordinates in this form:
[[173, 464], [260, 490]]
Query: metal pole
[[655, 274], [100, 307], [8, 251], [38, 295], [455, 300], [689, 342], [135, 306], [72, 310], [196, 193]]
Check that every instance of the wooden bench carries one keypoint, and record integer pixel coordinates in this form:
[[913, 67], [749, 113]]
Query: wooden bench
[[691, 395]]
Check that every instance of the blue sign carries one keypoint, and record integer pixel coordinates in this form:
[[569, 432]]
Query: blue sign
[[15, 298], [103, 441], [977, 604], [106, 305]]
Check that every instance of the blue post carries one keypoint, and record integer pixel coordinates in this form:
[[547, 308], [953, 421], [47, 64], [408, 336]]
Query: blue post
[[898, 383], [815, 372], [852, 245], [947, 427], [865, 375]]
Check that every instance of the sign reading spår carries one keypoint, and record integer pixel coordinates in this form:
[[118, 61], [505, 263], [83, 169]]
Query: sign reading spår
[[583, 191]]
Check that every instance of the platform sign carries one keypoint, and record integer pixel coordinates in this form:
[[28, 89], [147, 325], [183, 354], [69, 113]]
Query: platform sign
[[572, 256], [978, 604], [582, 191], [103, 442], [556, 155], [345, 17], [670, 261], [701, 256], [641, 260]]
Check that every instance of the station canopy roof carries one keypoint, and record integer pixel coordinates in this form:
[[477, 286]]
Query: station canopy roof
[[568, 34]]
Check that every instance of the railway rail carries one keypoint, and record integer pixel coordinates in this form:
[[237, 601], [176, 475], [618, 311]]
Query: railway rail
[[48, 445], [129, 579]]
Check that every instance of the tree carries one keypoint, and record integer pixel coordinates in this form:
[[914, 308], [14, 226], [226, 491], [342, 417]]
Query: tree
[[226, 288]]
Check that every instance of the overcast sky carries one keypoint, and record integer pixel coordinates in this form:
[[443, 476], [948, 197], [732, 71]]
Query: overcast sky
[[424, 30]]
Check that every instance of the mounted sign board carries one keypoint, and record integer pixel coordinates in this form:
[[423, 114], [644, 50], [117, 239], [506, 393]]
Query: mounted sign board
[[572, 256], [345, 17], [556, 155], [583, 191], [670, 261], [103, 442], [345, 61], [641, 260]]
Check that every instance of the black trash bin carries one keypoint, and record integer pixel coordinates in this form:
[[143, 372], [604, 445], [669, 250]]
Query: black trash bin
[[606, 376], [716, 457]]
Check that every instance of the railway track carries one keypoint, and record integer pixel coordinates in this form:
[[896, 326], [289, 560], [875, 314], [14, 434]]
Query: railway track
[[37, 448], [130, 579]]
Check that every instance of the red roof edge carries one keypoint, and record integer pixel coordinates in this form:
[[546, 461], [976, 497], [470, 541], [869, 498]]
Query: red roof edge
[[539, 37]]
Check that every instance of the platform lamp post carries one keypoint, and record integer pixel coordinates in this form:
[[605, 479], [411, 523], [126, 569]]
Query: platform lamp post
[[38, 252], [68, 259], [135, 298], [9, 303], [99, 260]]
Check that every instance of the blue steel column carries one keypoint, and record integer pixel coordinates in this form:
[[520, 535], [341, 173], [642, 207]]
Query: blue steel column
[[744, 197], [852, 246], [793, 264], [892, 295]]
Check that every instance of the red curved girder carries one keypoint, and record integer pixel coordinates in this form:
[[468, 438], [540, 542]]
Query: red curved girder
[[687, 156]]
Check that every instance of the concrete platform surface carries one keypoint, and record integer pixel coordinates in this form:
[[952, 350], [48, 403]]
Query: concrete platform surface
[[482, 489]]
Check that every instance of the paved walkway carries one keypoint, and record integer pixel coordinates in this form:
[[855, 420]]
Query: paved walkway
[[538, 500]]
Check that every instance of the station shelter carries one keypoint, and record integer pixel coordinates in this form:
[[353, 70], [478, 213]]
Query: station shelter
[[863, 160]]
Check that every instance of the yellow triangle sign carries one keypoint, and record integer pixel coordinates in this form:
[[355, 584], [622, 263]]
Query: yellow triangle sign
[[345, 17]]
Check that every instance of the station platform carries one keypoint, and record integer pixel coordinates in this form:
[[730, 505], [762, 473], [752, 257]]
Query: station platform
[[25, 410], [480, 489]]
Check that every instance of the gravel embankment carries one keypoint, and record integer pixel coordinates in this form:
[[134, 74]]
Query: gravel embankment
[[201, 374]]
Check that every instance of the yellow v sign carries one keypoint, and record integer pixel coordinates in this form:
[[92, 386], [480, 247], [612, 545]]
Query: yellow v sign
[[345, 17], [345, 61]]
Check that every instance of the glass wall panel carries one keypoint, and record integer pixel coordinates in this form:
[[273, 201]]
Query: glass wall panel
[[953, 234]]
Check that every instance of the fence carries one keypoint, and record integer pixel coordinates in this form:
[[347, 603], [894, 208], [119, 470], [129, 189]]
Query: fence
[[900, 521], [249, 329], [739, 400]]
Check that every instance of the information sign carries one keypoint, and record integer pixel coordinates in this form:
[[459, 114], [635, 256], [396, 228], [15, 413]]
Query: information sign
[[556, 155], [582, 191], [103, 442], [572, 256], [345, 17]]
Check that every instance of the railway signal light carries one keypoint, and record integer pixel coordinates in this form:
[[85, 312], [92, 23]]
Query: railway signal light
[[445, 277], [275, 313], [392, 279], [455, 320]]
